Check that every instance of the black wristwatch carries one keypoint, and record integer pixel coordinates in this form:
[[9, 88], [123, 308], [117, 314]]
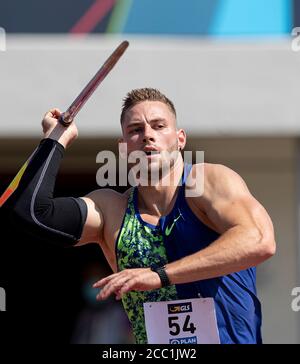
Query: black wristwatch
[[162, 275]]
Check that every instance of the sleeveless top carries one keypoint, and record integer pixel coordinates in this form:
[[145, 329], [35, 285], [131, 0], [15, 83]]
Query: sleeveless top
[[181, 233]]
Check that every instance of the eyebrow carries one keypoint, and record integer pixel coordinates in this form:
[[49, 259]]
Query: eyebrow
[[157, 120], [137, 123]]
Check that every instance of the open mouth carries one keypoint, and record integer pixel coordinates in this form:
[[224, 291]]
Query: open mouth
[[152, 152]]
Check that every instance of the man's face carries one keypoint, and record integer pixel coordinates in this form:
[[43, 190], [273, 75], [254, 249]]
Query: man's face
[[150, 126]]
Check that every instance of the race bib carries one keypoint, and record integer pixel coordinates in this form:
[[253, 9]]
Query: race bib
[[190, 321]]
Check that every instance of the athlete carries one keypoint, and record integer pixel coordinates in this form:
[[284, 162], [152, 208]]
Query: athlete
[[161, 243]]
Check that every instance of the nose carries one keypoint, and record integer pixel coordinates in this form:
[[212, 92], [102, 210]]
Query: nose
[[148, 134]]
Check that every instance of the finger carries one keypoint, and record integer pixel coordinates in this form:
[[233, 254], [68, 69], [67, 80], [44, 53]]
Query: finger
[[104, 281], [112, 287], [118, 295], [53, 113], [109, 289], [128, 286]]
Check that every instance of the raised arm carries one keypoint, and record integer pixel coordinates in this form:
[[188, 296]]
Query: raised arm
[[66, 221]]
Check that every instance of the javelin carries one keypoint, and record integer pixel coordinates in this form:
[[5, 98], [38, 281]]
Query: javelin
[[68, 116]]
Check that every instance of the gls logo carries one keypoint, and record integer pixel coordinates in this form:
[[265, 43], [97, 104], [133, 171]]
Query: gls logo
[[180, 308], [296, 301], [296, 41], [2, 299]]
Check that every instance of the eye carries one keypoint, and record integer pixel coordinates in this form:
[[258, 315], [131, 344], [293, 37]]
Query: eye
[[135, 130]]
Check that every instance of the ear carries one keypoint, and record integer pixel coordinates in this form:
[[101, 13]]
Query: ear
[[181, 137]]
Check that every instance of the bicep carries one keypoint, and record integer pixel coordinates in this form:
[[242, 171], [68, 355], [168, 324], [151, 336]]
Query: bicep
[[242, 211], [92, 229]]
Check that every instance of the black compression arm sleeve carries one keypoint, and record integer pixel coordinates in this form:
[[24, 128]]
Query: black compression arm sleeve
[[56, 220]]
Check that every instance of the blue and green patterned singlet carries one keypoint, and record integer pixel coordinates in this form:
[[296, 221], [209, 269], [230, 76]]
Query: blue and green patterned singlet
[[141, 246], [179, 234]]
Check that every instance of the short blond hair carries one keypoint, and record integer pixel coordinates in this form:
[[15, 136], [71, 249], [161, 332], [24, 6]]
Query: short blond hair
[[144, 94]]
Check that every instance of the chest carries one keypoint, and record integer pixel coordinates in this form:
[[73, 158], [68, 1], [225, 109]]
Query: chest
[[146, 241], [174, 215]]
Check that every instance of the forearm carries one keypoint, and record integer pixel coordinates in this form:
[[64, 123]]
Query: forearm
[[235, 250]]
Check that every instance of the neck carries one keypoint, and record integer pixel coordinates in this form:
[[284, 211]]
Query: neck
[[157, 199]]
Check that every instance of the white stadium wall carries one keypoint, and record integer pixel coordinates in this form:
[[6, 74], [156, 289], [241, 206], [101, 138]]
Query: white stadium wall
[[219, 88]]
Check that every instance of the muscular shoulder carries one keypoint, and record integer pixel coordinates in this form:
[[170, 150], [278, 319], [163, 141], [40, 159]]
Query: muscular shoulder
[[219, 180]]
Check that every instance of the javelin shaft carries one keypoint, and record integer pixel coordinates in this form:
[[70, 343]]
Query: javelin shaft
[[72, 111], [85, 94]]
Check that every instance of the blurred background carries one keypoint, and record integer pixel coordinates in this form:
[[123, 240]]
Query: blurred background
[[231, 70]]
